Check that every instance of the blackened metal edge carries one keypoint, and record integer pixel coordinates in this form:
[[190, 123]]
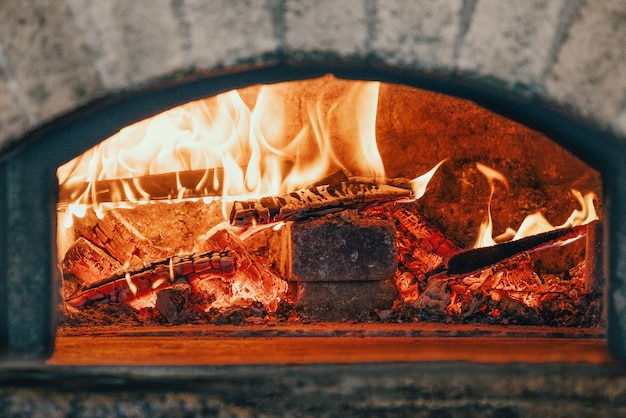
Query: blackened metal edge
[[614, 237], [58, 142], [4, 336]]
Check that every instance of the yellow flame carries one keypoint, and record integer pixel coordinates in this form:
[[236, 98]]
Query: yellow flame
[[485, 231], [419, 184], [535, 223], [293, 135]]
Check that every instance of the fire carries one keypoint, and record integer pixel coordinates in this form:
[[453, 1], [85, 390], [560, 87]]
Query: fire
[[534, 223], [419, 184], [486, 228], [291, 136], [242, 149]]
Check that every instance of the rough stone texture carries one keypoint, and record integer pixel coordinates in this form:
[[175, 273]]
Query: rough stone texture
[[616, 263], [422, 36], [130, 42], [391, 389], [13, 119], [52, 66], [224, 32], [326, 26], [589, 76], [510, 41], [65, 54], [619, 125], [335, 250], [343, 301]]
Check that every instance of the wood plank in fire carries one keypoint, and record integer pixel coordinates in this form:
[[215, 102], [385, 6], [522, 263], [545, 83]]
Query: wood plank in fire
[[314, 201]]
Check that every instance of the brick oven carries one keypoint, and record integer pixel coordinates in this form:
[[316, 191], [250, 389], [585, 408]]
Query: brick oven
[[554, 68]]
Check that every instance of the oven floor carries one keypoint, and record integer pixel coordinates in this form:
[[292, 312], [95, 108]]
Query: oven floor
[[324, 343]]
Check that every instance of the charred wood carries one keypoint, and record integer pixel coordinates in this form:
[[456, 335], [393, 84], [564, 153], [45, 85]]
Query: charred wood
[[427, 238], [88, 262], [124, 242], [315, 201], [193, 183], [140, 283], [481, 258], [255, 281], [172, 302]]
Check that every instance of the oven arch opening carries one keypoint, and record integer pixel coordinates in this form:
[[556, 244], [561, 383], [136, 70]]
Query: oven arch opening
[[60, 141]]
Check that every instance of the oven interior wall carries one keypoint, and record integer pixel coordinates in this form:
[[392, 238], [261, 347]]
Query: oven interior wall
[[418, 128]]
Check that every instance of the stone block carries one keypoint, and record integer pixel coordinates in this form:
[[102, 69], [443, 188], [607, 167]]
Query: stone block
[[590, 71], [341, 301], [338, 27], [511, 41], [426, 35], [224, 32], [324, 250]]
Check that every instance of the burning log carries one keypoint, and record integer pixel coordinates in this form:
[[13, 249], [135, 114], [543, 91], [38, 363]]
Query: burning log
[[428, 247], [434, 301], [172, 302], [141, 283], [480, 258], [193, 183], [315, 201], [253, 281], [89, 263], [124, 242], [428, 238]]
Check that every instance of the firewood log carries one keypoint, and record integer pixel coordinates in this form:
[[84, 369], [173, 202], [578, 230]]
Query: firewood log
[[480, 258], [124, 242], [428, 238], [172, 302], [139, 283], [315, 201], [88, 262], [196, 183], [255, 281]]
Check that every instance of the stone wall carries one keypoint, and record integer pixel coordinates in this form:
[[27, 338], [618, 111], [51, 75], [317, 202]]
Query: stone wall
[[58, 56], [389, 390]]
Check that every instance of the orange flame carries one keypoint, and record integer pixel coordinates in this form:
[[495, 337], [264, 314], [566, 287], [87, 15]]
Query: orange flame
[[485, 232], [293, 135], [419, 184], [534, 223]]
